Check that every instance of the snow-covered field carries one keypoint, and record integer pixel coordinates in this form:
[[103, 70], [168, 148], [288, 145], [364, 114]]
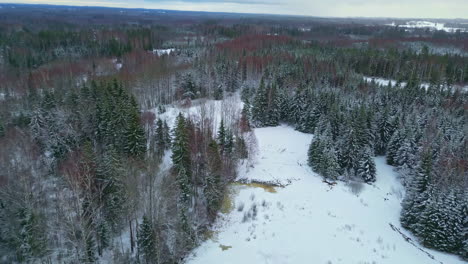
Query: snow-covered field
[[427, 24], [309, 221]]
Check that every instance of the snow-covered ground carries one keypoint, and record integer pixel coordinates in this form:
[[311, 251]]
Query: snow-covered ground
[[161, 52], [385, 82], [308, 221], [228, 109], [427, 24]]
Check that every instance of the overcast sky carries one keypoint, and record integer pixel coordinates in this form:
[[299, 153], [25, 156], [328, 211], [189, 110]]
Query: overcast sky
[[326, 8]]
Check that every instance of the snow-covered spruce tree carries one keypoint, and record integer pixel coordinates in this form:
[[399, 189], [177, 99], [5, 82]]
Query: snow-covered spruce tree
[[260, 106], [366, 166], [30, 241], [213, 189], [48, 102], [349, 151], [103, 235], [406, 153], [244, 123], [361, 129], [90, 248], [283, 104], [241, 148], [221, 136], [188, 87], [109, 174], [384, 133], [322, 157], [246, 95], [298, 107], [414, 202], [2, 128], [218, 93], [274, 113], [146, 241], [431, 224], [160, 139], [452, 213], [181, 159], [309, 120], [229, 143], [135, 144], [394, 145], [314, 153], [464, 235], [233, 79], [167, 135], [329, 166]]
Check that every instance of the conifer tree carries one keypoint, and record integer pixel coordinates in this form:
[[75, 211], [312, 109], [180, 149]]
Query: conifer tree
[[406, 153], [181, 158], [314, 153], [244, 120], [229, 143], [322, 157], [385, 131], [328, 166], [135, 142], [2, 128], [273, 115], [160, 138], [90, 249], [414, 202], [350, 149], [109, 174], [104, 236], [167, 135], [49, 101], [213, 190], [260, 106], [297, 108], [393, 145], [146, 240], [241, 148], [366, 166], [246, 94], [221, 137], [31, 243], [218, 93]]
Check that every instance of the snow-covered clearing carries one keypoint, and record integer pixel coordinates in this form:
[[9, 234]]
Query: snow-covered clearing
[[308, 221]]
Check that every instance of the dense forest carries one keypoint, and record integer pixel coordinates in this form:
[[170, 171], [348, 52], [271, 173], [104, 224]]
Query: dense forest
[[90, 161]]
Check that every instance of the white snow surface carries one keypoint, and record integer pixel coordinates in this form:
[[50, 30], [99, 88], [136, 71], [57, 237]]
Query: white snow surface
[[308, 221], [427, 24], [118, 65], [161, 52]]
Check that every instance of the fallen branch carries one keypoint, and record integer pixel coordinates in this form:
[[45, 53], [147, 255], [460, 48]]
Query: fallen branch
[[331, 184], [409, 240]]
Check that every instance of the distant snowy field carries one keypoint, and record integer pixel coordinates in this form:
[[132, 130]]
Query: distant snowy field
[[161, 52], [308, 221], [427, 24]]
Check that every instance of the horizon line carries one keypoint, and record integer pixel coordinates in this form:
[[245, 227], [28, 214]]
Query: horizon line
[[234, 13]]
